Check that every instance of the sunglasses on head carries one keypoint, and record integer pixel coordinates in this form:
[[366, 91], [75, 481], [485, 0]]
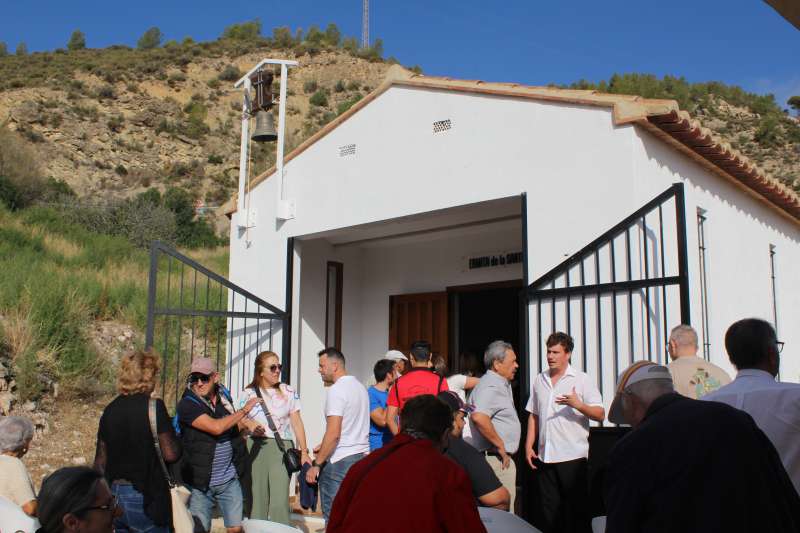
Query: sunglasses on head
[[199, 378], [275, 367]]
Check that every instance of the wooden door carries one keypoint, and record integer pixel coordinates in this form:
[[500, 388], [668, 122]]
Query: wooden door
[[414, 317]]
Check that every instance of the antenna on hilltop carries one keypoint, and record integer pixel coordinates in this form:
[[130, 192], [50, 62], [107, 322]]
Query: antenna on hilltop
[[365, 24]]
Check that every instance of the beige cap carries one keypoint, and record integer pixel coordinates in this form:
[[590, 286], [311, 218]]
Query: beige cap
[[203, 365], [638, 371], [395, 355]]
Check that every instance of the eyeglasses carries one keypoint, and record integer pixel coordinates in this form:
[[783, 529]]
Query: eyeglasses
[[779, 345], [110, 506], [199, 378], [275, 368]]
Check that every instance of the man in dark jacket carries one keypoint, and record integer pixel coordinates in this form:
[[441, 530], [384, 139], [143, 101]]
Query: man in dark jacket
[[691, 466], [435, 492], [214, 451]]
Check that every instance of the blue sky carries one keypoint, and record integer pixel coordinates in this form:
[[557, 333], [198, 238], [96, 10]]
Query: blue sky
[[741, 42]]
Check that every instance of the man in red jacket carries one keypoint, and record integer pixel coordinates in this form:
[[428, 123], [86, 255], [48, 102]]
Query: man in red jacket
[[436, 492]]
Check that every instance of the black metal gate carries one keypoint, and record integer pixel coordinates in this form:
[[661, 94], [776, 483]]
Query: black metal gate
[[194, 312], [619, 296]]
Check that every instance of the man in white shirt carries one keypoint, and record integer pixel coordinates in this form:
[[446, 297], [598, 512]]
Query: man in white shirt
[[754, 350], [346, 438], [563, 400]]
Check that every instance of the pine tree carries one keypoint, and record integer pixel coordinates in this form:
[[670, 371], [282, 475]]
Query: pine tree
[[77, 41], [150, 39]]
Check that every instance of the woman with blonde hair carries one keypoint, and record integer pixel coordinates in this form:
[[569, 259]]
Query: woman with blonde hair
[[126, 454], [269, 483]]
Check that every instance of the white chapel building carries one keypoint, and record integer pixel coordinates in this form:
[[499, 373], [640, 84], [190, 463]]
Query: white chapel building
[[461, 212]]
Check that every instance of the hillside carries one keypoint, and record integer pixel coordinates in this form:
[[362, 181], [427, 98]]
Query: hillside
[[111, 123], [111, 133]]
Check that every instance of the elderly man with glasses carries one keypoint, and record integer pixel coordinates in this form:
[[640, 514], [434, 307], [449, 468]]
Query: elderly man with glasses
[[216, 455], [754, 350]]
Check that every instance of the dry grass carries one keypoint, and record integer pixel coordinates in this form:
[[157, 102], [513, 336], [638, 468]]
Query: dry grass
[[18, 330]]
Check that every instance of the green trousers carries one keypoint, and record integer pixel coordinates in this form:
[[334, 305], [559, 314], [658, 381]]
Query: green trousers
[[267, 485]]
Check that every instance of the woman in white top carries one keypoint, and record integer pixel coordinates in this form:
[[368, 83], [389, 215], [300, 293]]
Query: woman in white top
[[269, 483], [458, 383]]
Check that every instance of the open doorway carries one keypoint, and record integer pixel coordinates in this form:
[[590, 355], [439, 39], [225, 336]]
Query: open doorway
[[480, 314]]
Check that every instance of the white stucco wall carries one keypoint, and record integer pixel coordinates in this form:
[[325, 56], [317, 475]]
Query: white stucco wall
[[581, 174]]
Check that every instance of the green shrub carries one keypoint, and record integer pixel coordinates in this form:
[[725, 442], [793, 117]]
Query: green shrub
[[106, 92], [115, 123], [77, 41], [347, 104], [150, 39], [215, 159], [22, 49], [333, 36], [310, 86], [767, 133], [230, 73], [319, 99], [20, 176], [340, 86], [246, 31], [121, 170]]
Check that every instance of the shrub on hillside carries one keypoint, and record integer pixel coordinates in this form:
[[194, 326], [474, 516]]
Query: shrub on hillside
[[246, 31], [347, 104], [150, 39], [22, 49], [319, 99], [282, 37], [3, 49], [310, 86], [20, 177], [230, 73], [77, 41], [333, 36], [767, 133]]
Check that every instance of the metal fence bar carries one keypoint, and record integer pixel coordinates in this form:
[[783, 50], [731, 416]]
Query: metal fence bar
[[189, 305]]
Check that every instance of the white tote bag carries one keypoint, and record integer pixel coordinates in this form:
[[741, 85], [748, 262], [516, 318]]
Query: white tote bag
[[182, 520]]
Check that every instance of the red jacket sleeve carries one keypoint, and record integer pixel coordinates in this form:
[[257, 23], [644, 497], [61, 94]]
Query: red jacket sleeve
[[458, 511], [392, 399]]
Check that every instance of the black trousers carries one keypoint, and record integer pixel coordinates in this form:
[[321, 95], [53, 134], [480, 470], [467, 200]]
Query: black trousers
[[562, 497]]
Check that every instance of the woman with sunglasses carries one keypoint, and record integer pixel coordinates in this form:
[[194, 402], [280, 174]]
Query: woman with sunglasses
[[77, 500], [126, 454], [269, 483]]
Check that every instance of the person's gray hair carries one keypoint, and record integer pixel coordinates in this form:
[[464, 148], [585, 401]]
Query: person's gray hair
[[496, 351], [15, 432], [651, 389], [684, 335]]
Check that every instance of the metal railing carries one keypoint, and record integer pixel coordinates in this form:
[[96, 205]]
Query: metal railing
[[618, 296], [194, 312]]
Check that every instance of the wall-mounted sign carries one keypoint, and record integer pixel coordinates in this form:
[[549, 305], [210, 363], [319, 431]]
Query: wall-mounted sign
[[494, 260]]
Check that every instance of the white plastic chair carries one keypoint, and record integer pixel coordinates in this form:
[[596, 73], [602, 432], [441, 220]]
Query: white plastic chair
[[13, 519], [265, 526], [599, 524], [497, 521]]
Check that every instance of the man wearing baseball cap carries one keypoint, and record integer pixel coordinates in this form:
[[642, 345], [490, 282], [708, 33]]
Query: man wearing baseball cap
[[691, 466], [486, 487], [215, 453], [400, 362]]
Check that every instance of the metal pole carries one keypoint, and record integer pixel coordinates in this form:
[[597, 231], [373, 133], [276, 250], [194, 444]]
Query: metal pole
[[151, 296], [243, 153]]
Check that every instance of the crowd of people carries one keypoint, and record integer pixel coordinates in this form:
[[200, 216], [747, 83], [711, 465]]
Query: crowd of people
[[705, 453]]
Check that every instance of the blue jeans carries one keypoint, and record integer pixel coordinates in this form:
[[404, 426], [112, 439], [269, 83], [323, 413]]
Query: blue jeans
[[133, 519], [227, 496], [331, 478]]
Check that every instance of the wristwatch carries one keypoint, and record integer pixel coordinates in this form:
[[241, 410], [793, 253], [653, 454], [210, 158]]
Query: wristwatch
[[315, 463]]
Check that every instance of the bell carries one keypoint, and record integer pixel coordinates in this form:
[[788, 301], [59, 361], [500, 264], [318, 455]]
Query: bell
[[265, 128]]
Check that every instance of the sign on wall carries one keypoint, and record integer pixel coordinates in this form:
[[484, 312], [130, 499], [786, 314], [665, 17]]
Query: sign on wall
[[493, 260]]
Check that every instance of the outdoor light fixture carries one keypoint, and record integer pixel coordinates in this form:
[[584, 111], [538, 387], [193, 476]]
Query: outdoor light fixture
[[261, 83], [257, 102]]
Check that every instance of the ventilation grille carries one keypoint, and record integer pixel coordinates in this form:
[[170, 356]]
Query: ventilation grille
[[347, 149], [442, 125]]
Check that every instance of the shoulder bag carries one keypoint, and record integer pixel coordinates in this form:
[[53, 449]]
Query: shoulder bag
[[182, 521], [291, 456]]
